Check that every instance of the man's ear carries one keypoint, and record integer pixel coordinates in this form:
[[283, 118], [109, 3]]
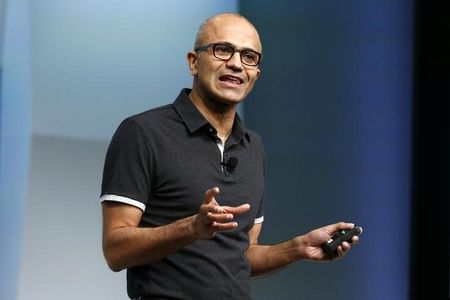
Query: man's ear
[[192, 58], [258, 72]]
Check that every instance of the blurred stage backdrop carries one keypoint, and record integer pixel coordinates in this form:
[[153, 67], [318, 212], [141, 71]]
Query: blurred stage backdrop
[[333, 106]]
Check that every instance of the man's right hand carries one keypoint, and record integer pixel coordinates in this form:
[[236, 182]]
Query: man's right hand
[[126, 245], [212, 217]]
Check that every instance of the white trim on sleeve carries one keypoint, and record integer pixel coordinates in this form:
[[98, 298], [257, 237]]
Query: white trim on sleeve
[[109, 197], [259, 220]]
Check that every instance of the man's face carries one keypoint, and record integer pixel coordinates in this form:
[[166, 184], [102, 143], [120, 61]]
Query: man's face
[[228, 82]]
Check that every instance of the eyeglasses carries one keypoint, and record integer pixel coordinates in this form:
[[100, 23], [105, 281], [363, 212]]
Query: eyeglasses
[[225, 52]]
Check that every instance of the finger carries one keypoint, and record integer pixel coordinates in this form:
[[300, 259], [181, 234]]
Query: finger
[[212, 208], [224, 226], [211, 200], [339, 226], [343, 248], [210, 194], [220, 218], [237, 210]]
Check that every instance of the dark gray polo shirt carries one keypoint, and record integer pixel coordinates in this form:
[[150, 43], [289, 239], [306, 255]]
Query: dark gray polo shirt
[[162, 161]]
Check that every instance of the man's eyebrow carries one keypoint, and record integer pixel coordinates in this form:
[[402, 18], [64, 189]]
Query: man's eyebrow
[[234, 46]]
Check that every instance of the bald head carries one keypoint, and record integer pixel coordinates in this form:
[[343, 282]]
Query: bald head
[[217, 22], [219, 77]]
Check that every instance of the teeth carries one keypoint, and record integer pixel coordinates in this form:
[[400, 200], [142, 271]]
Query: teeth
[[230, 79]]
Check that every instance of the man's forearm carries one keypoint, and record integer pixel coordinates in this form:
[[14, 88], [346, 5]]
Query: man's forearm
[[266, 259], [127, 247]]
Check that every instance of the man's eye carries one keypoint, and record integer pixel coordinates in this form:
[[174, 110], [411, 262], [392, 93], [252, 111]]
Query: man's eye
[[250, 56], [224, 49]]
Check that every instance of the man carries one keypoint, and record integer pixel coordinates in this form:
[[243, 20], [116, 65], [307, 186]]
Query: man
[[183, 184]]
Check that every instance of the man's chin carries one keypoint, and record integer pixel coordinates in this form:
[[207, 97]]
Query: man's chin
[[229, 101], [230, 98]]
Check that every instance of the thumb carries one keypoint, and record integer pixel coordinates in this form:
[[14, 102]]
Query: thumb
[[210, 196], [341, 226]]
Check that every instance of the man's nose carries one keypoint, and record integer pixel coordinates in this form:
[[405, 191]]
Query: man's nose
[[235, 61]]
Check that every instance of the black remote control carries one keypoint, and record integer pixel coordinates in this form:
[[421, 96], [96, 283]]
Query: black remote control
[[338, 238]]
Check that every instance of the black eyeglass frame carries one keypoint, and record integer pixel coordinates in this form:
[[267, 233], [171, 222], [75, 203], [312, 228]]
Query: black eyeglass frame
[[214, 45]]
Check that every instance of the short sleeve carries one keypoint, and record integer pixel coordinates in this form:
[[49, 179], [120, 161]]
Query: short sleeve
[[260, 214], [127, 171]]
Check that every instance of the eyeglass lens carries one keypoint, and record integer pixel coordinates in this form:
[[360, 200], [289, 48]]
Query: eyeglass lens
[[225, 52]]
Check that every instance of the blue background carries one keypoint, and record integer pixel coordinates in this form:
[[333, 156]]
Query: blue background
[[333, 106]]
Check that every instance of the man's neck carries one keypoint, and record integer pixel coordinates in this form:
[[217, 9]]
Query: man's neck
[[219, 115]]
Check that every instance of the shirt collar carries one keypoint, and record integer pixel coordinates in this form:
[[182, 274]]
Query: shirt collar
[[194, 120]]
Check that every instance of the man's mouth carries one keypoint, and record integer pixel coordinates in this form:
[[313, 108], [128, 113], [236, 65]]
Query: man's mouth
[[235, 80]]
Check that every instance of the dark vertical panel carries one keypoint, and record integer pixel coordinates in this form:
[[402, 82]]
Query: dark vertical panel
[[333, 106], [430, 234]]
